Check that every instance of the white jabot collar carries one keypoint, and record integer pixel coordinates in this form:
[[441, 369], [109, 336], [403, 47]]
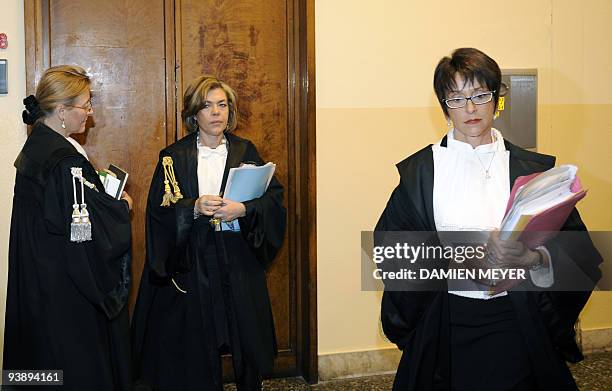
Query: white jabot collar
[[77, 146]]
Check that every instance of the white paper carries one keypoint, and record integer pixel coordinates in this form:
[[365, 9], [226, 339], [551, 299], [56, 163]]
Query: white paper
[[111, 185], [541, 193]]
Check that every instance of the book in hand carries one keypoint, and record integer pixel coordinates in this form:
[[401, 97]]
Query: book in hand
[[248, 181], [114, 179]]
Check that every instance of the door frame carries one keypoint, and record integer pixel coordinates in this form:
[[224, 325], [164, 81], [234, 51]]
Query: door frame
[[301, 194]]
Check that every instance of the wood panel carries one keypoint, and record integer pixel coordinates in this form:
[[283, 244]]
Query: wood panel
[[141, 54], [126, 60], [307, 201], [246, 44]]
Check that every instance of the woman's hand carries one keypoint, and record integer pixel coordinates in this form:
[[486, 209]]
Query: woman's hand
[[231, 210], [511, 253], [208, 204], [125, 196]]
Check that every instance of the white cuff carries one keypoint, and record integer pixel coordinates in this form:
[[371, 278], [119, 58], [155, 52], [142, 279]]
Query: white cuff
[[543, 277]]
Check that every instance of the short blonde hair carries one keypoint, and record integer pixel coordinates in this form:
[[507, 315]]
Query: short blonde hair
[[195, 97], [61, 84]]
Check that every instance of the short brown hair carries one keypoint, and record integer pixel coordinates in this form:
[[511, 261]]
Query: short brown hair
[[471, 64], [61, 84], [195, 97]]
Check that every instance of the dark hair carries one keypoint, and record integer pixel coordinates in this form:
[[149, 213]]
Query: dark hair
[[195, 97], [471, 64]]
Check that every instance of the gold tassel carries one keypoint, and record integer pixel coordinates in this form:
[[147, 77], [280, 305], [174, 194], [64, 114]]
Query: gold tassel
[[215, 223], [170, 178], [177, 190], [167, 195]]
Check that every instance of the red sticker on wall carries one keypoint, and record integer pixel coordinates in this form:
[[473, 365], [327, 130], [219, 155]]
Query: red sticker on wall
[[3, 41]]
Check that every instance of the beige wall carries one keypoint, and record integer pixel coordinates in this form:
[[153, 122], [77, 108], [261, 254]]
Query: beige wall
[[375, 106], [12, 130]]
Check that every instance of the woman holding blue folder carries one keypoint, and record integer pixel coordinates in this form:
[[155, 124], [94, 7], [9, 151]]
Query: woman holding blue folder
[[203, 290], [463, 339]]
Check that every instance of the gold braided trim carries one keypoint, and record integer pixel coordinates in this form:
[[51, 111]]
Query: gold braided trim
[[170, 179]]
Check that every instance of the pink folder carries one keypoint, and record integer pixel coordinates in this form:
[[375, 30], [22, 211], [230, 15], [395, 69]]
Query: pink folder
[[545, 225], [542, 226]]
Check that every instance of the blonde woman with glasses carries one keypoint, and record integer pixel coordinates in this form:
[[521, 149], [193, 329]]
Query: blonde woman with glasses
[[69, 251]]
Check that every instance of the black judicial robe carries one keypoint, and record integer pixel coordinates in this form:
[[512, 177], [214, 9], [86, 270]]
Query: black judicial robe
[[65, 300], [174, 337], [418, 322]]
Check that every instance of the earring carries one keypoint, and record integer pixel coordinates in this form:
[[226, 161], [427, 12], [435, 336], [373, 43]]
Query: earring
[[449, 123], [63, 125], [496, 115]]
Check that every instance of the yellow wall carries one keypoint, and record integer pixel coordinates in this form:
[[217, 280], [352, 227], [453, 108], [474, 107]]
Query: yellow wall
[[12, 130], [375, 106]]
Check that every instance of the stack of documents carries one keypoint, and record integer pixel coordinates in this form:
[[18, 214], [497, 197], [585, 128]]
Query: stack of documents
[[248, 182], [540, 203], [538, 207]]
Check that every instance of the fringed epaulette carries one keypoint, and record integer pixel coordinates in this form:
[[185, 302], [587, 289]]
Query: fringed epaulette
[[170, 179], [80, 227]]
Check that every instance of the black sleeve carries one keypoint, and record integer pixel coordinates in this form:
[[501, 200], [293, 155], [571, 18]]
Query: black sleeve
[[400, 311], [264, 224], [167, 229], [400, 213], [576, 263], [100, 267]]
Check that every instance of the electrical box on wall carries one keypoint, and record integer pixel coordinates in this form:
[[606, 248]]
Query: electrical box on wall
[[517, 119], [3, 76]]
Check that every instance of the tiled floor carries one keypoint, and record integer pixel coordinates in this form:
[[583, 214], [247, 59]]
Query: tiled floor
[[592, 374]]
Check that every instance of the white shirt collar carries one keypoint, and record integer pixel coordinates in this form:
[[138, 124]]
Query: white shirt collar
[[205, 152], [496, 145]]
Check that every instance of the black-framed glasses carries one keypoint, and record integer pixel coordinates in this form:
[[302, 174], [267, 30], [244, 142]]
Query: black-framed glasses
[[87, 106], [477, 99]]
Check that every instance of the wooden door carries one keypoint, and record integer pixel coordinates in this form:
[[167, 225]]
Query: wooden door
[[126, 61], [141, 55]]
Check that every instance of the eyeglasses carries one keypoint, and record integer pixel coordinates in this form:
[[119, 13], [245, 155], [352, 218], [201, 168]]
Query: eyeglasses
[[87, 106], [477, 99]]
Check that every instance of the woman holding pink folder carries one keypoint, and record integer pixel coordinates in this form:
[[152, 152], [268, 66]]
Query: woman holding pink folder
[[463, 338]]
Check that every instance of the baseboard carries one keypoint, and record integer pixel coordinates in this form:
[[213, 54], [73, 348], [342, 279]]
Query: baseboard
[[367, 362], [596, 340]]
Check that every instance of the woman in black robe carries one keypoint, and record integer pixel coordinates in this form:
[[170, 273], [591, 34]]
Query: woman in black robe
[[69, 251], [516, 340], [203, 290]]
